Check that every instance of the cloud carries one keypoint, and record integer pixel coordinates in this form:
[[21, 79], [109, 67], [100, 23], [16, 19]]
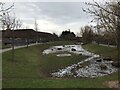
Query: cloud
[[52, 0], [53, 16]]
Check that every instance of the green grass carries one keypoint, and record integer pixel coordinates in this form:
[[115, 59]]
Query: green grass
[[102, 50], [59, 83], [30, 62], [31, 69], [5, 46], [0, 70]]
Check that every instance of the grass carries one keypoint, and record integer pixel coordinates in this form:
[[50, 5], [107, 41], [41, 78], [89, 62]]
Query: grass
[[59, 83], [31, 69], [2, 46], [0, 70], [102, 50]]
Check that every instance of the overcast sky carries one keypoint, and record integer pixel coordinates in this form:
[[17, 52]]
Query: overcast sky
[[53, 16]]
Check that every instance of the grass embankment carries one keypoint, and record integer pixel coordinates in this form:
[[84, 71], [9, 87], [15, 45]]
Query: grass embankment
[[102, 50], [32, 69]]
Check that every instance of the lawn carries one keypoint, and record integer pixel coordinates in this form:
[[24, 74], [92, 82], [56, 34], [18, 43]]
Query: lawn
[[58, 83], [31, 69], [102, 50], [2, 46]]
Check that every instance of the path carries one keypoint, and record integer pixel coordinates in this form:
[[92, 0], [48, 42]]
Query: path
[[16, 47], [108, 45]]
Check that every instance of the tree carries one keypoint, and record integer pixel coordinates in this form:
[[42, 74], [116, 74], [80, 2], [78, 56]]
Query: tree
[[109, 15], [55, 36], [4, 10], [10, 23], [87, 34], [36, 29], [104, 13], [67, 35]]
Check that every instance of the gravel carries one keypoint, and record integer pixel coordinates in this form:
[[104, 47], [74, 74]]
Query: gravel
[[92, 70], [69, 49]]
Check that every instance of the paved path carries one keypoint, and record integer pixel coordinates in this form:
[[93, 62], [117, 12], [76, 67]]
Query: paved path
[[108, 45], [16, 47]]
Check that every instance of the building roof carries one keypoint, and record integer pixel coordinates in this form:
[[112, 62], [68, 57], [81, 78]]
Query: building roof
[[23, 33]]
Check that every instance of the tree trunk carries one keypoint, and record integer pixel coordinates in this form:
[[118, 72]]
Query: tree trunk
[[12, 45], [27, 42]]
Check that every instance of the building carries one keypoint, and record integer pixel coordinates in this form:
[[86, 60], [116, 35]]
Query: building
[[24, 36]]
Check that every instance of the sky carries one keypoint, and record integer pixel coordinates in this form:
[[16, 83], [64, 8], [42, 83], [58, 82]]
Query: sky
[[53, 17]]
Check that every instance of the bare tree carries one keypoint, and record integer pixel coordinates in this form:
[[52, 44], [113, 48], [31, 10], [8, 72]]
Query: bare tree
[[109, 16], [11, 23], [2, 9], [36, 29], [87, 34]]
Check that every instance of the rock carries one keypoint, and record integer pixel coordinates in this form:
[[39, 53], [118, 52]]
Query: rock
[[107, 58], [59, 48], [93, 66], [103, 66], [99, 60], [78, 67], [80, 54], [73, 49], [63, 55], [116, 64], [63, 45], [92, 70]]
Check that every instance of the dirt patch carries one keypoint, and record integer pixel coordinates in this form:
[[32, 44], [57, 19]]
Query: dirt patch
[[112, 84]]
